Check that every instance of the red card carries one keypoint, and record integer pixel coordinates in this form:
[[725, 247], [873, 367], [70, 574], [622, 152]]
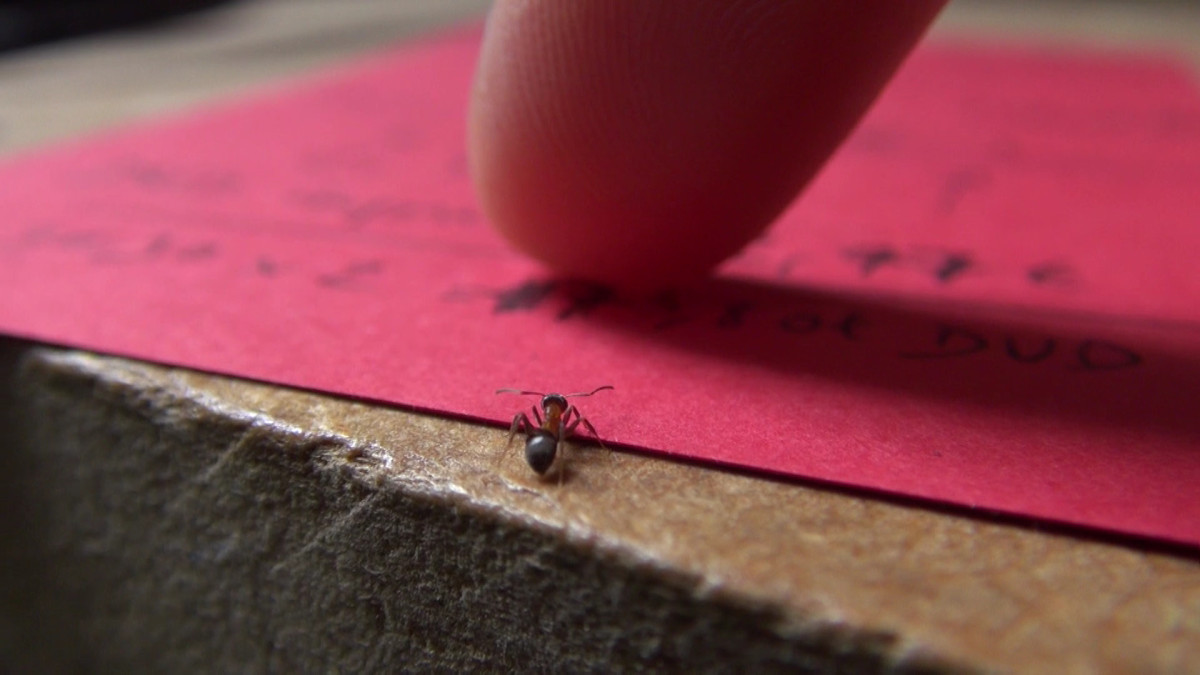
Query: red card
[[988, 298]]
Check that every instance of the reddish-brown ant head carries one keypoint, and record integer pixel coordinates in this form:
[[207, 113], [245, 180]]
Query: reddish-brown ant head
[[557, 400]]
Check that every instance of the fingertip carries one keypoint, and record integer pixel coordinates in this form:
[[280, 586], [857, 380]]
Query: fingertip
[[643, 143]]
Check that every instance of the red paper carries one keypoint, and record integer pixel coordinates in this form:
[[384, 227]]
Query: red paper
[[989, 298]]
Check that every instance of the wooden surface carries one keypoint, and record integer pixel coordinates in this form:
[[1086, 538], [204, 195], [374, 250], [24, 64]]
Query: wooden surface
[[839, 575]]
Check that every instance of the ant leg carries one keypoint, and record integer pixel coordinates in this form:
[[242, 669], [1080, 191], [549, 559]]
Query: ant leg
[[608, 453], [520, 423], [565, 425], [591, 430], [562, 461], [580, 419]]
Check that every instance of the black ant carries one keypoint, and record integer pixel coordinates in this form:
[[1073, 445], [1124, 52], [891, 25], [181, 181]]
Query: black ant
[[556, 420]]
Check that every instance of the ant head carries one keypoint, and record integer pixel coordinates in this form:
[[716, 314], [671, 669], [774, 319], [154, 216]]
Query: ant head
[[554, 400]]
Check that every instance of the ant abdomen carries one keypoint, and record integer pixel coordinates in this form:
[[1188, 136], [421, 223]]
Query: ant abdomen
[[540, 449]]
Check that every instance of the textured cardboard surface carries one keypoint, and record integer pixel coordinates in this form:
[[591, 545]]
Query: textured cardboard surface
[[176, 522], [170, 519]]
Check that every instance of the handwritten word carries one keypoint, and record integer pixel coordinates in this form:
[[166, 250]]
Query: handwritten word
[[941, 266], [161, 177], [357, 212], [1089, 354], [944, 267], [925, 338], [105, 248], [351, 274]]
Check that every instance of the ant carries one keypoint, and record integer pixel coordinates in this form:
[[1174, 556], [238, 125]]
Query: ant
[[556, 420]]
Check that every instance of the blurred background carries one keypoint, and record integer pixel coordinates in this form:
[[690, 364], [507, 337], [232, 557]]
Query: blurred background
[[27, 22], [71, 66]]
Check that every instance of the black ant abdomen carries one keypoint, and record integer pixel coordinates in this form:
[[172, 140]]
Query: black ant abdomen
[[540, 449]]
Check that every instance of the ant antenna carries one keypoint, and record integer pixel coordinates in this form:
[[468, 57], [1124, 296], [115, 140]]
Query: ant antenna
[[607, 386], [519, 392], [522, 392]]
